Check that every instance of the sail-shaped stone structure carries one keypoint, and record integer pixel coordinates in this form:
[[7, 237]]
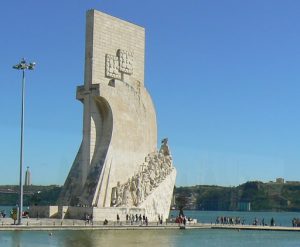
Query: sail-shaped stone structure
[[118, 169]]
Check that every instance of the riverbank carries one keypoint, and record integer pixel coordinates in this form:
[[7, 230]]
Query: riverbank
[[6, 224], [34, 224]]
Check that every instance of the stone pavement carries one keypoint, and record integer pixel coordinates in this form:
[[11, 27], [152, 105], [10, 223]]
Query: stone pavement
[[44, 224], [70, 224]]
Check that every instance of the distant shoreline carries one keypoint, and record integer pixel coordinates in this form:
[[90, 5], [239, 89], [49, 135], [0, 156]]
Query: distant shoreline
[[254, 196]]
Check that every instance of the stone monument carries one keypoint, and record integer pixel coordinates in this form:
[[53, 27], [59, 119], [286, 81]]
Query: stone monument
[[27, 177], [118, 169]]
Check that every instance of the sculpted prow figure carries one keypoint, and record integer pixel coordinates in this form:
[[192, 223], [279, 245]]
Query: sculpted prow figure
[[164, 149]]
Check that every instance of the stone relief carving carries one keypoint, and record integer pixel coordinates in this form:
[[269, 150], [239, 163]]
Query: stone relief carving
[[116, 65], [126, 61], [112, 67], [157, 166]]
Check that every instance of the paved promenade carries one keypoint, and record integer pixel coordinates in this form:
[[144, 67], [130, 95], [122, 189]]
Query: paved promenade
[[68, 224], [255, 228], [33, 224]]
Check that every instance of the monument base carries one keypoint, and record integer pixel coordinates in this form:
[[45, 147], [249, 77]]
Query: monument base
[[155, 207]]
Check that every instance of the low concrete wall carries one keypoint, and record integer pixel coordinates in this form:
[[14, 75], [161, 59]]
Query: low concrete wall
[[43, 211], [79, 213], [68, 212], [100, 214]]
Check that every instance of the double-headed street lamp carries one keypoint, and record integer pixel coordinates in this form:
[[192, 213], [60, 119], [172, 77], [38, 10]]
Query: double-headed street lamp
[[22, 66]]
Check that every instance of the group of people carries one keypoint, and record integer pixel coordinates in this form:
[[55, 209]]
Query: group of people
[[238, 220], [296, 222], [256, 222], [181, 219], [130, 219], [135, 218], [230, 220]]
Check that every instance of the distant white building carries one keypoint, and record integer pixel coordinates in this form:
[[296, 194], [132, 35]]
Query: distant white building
[[280, 180], [27, 177]]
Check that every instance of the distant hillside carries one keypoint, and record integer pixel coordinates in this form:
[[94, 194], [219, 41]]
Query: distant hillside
[[33, 195], [262, 196]]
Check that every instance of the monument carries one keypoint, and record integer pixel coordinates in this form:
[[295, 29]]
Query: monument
[[118, 169], [27, 177]]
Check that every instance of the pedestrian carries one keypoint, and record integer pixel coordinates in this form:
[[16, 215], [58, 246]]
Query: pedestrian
[[146, 221], [184, 220], [272, 222], [144, 218]]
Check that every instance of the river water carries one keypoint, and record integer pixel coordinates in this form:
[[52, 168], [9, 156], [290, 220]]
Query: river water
[[127, 238], [174, 238]]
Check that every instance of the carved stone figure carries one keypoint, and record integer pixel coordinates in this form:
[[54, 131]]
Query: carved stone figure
[[119, 194], [155, 169], [139, 193], [133, 190], [126, 196], [113, 196], [164, 149]]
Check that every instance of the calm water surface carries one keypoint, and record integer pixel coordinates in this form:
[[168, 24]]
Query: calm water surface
[[151, 238]]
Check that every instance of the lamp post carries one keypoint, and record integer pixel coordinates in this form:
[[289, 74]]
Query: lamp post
[[22, 66]]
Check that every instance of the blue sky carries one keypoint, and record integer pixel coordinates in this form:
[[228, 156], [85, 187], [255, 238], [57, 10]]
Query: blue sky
[[224, 77]]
